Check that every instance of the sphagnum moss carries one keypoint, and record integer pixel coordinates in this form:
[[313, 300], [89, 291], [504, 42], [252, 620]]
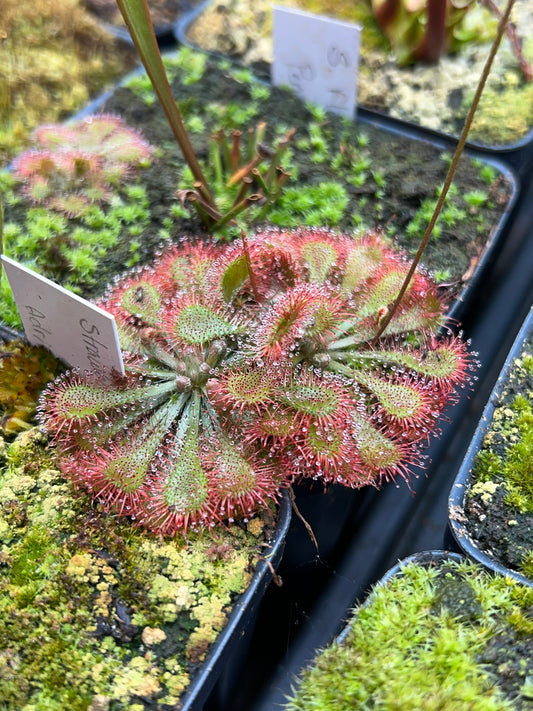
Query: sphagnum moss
[[94, 612], [419, 644]]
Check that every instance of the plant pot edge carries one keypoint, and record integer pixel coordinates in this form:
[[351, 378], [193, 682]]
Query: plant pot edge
[[463, 479], [242, 613]]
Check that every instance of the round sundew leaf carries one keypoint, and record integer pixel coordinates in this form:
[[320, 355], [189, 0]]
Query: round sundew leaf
[[400, 400], [186, 273], [320, 257], [73, 204], [121, 471], [420, 316], [234, 277], [275, 422], [324, 442], [441, 362], [319, 398], [197, 324], [143, 301], [128, 471], [383, 292], [249, 387], [233, 476], [378, 451], [360, 264], [445, 362]]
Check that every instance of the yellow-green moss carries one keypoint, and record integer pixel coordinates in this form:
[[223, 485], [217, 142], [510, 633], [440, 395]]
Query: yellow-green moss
[[413, 647], [111, 614], [54, 57]]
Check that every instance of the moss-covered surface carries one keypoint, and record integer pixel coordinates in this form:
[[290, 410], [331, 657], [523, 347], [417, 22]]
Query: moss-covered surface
[[54, 56], [346, 175], [444, 637], [499, 503], [96, 614], [436, 96], [24, 372]]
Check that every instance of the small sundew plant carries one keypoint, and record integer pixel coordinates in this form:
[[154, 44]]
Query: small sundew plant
[[72, 167], [253, 365]]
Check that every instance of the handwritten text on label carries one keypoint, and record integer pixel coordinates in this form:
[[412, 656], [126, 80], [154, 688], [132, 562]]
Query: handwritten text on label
[[317, 57]]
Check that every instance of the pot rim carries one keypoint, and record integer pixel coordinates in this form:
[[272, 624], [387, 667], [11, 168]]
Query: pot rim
[[456, 500]]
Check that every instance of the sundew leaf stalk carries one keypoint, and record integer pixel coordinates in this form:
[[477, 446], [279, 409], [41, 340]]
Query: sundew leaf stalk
[[236, 385]]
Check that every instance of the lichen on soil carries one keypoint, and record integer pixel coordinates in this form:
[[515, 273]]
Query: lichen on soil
[[499, 502], [97, 614], [436, 96], [347, 175]]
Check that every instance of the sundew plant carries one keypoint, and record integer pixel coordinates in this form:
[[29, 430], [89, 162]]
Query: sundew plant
[[254, 365]]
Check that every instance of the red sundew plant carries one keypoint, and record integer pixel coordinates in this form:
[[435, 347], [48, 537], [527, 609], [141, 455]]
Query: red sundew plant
[[73, 166], [251, 366]]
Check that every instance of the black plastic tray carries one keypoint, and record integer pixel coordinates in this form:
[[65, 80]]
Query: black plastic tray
[[463, 480]]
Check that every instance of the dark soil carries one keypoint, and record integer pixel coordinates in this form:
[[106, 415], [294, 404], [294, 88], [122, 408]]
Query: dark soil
[[413, 171], [497, 528], [489, 527]]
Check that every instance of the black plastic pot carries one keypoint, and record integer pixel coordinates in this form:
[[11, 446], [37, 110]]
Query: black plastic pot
[[8, 334], [463, 481], [224, 661], [164, 31]]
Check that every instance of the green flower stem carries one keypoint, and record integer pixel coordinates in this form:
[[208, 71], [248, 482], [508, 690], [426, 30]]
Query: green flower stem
[[451, 172], [137, 18]]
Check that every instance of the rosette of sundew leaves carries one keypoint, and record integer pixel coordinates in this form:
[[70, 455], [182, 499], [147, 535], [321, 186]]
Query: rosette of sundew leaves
[[251, 366]]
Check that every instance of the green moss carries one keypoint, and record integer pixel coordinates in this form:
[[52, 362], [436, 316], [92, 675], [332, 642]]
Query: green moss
[[108, 612], [53, 58], [494, 124], [70, 250], [426, 641], [514, 460]]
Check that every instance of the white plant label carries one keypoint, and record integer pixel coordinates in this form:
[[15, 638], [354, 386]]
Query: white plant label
[[80, 333], [317, 57]]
